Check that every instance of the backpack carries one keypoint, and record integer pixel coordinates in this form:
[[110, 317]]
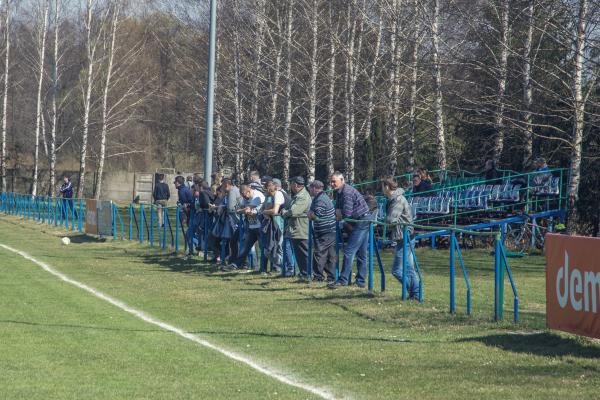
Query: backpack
[[287, 199]]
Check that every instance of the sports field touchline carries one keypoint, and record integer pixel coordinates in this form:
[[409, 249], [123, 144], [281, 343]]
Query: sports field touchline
[[283, 377]]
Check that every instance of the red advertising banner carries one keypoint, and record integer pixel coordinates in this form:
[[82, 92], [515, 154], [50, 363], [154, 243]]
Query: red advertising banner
[[573, 284]]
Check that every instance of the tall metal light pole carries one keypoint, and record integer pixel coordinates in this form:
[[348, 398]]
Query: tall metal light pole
[[210, 92]]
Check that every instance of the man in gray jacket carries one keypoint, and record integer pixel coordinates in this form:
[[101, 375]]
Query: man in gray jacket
[[296, 226], [399, 213]]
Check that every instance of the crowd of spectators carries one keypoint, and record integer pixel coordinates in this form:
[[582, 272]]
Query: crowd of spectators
[[231, 221]]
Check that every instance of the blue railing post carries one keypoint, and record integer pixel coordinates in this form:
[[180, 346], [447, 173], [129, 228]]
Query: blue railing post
[[381, 268], [151, 234], [61, 211], [464, 271], [338, 243], [418, 270], [371, 251], [164, 227], [66, 213], [452, 271], [504, 264], [309, 262], [177, 222], [205, 234], [130, 221], [190, 231], [57, 212], [72, 201], [497, 313], [80, 216], [142, 217], [405, 241], [114, 221]]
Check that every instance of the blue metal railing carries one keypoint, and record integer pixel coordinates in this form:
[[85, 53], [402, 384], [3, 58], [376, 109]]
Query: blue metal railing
[[142, 223], [501, 265]]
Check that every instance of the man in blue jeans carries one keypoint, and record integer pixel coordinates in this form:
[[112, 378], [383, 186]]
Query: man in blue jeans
[[350, 204]]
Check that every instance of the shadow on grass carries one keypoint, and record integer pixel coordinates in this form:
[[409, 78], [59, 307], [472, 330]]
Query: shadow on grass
[[175, 263], [72, 326], [334, 337], [83, 238], [542, 344]]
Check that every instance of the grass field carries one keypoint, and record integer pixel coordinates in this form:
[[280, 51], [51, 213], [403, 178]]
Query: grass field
[[57, 341]]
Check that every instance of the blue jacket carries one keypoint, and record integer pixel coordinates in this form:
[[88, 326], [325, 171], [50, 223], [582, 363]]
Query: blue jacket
[[323, 208], [185, 196], [67, 190]]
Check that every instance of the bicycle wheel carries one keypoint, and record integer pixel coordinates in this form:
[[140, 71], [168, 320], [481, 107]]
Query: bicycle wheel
[[517, 238]]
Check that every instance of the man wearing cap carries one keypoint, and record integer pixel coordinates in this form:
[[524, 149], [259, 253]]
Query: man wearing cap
[[351, 205], [322, 213], [296, 228]]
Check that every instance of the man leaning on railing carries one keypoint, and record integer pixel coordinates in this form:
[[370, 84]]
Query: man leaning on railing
[[351, 205], [400, 214]]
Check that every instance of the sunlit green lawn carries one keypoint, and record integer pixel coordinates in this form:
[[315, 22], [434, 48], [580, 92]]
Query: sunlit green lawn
[[60, 342]]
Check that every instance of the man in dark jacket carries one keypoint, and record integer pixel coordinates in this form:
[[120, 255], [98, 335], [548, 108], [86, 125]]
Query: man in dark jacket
[[161, 195], [66, 192], [322, 213], [185, 198], [351, 204]]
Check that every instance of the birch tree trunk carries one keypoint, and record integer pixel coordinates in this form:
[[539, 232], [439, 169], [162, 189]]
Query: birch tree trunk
[[389, 128], [366, 130], [39, 116], [502, 76], [354, 65], [274, 90], [91, 60], [5, 93], [349, 96], [314, 69], [395, 100], [438, 100], [331, 95], [106, 90], [219, 158], [43, 134], [260, 24], [412, 106], [288, 93], [218, 131], [239, 151], [54, 96], [527, 88], [578, 116]]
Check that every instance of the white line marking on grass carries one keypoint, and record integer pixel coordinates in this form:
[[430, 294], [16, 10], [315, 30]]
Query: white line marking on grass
[[283, 377]]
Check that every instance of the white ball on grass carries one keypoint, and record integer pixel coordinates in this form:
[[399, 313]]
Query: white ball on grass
[[66, 241]]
